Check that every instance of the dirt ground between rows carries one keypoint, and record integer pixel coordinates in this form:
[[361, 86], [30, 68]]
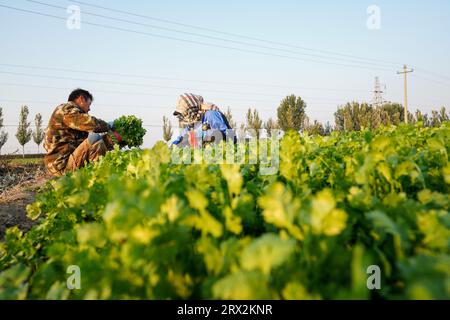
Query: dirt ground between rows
[[19, 185]]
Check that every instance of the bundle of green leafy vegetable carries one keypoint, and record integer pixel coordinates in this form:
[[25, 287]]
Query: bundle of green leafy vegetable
[[131, 130]]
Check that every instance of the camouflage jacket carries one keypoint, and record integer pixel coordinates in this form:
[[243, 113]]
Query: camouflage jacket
[[68, 127]]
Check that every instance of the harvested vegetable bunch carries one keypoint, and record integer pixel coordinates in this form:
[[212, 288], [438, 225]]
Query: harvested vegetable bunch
[[130, 129]]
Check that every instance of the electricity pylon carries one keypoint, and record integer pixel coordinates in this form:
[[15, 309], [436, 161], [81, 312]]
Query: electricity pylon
[[377, 94], [405, 72]]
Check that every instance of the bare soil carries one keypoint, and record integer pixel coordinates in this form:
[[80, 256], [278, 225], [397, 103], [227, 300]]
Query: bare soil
[[19, 184]]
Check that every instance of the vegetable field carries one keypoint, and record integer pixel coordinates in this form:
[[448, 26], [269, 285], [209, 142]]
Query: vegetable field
[[139, 226]]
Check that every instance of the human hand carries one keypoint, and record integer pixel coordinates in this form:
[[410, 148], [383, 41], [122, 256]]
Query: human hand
[[118, 136]]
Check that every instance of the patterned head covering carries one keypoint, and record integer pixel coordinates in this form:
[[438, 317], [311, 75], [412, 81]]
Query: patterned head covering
[[190, 107]]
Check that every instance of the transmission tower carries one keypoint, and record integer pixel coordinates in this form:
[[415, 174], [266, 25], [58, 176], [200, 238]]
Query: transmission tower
[[377, 94]]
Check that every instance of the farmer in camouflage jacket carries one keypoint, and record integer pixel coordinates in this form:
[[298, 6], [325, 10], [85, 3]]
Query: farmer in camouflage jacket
[[72, 137]]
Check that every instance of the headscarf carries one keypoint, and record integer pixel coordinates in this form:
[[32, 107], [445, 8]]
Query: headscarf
[[191, 107]]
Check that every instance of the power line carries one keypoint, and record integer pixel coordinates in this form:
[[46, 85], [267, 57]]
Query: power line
[[199, 42], [174, 79], [206, 36], [304, 48], [130, 84], [108, 91], [253, 38], [130, 106], [182, 79], [231, 34], [137, 84], [171, 95], [434, 73], [431, 80], [164, 95]]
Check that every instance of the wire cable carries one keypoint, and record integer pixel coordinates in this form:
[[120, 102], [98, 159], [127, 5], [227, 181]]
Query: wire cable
[[199, 42], [231, 34], [175, 79], [138, 84], [206, 36]]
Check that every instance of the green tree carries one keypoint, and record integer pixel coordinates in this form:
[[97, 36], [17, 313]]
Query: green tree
[[291, 113], [419, 116], [229, 117], [355, 116], [270, 125], [435, 120], [339, 119], [443, 115], [394, 114], [24, 132], [39, 132], [3, 139], [426, 120], [167, 129], [313, 128], [328, 129], [254, 122], [242, 131], [3, 135]]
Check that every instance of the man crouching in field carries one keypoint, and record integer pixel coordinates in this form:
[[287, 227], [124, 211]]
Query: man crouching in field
[[72, 137]]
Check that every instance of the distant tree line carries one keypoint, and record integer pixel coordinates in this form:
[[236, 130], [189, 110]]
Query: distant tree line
[[24, 133], [353, 116]]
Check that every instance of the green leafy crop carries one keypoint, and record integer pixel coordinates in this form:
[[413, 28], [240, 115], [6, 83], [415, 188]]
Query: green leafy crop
[[139, 226], [131, 130]]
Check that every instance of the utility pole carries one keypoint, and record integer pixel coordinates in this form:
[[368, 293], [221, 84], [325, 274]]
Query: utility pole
[[405, 72]]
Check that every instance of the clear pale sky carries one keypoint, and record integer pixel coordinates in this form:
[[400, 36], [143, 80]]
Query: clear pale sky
[[152, 71]]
